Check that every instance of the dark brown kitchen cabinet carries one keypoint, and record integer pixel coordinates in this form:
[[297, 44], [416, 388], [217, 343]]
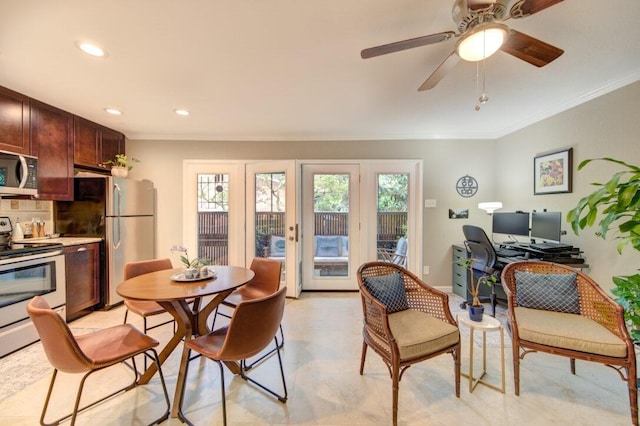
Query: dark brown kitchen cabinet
[[111, 143], [94, 144], [82, 270], [52, 142], [14, 122]]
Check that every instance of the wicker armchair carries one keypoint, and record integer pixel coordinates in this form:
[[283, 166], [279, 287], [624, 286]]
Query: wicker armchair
[[404, 337], [596, 333]]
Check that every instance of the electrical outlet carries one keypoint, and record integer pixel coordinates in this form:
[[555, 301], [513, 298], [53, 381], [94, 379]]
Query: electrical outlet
[[15, 204], [430, 203], [425, 270]]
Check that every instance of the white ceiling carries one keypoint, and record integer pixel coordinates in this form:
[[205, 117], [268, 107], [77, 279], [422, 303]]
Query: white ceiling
[[291, 69]]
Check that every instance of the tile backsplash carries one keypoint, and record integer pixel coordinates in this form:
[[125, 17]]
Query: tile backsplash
[[26, 211]]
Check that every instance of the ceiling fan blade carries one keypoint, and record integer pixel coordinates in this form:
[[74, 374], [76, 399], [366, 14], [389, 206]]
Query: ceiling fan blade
[[524, 8], [446, 66], [406, 44], [530, 49]]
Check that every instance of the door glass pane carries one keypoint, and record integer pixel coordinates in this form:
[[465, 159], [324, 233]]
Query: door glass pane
[[331, 214], [213, 218], [270, 216], [393, 196]]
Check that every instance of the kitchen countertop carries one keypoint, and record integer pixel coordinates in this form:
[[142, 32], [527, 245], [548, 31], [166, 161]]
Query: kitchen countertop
[[66, 241]]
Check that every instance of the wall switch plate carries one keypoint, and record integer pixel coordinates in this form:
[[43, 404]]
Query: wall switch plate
[[425, 270], [430, 203]]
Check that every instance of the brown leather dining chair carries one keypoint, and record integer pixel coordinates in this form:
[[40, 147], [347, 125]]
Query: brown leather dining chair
[[89, 353], [254, 324], [265, 281], [145, 308]]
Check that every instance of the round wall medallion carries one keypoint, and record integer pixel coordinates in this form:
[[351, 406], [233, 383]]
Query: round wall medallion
[[467, 186]]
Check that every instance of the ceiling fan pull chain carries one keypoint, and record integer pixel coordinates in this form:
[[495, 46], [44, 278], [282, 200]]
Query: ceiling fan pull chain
[[477, 108], [484, 98]]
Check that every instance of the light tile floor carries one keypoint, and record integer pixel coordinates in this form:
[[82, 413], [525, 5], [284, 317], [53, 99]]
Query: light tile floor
[[321, 361]]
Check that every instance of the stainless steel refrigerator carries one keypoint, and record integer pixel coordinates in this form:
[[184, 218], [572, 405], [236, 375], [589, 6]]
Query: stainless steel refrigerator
[[118, 210]]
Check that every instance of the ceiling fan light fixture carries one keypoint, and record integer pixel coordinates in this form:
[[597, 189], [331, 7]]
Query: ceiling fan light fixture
[[482, 41]]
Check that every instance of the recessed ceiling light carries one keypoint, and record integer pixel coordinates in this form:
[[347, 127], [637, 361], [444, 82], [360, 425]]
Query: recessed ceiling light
[[113, 111], [182, 112], [91, 49]]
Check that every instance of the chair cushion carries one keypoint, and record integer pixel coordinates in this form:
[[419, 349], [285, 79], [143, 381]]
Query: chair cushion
[[389, 290], [418, 334], [401, 247], [552, 292], [327, 245], [277, 247], [344, 246], [568, 331], [144, 308]]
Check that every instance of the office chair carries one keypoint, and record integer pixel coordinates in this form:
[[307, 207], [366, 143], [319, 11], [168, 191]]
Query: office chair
[[481, 250]]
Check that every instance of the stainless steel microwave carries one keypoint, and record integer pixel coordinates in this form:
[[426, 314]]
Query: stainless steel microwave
[[18, 174]]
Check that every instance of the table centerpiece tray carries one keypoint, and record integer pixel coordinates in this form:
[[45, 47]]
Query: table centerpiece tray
[[182, 276]]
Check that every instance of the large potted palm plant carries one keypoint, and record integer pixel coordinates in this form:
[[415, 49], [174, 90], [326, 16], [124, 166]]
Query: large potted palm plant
[[615, 205]]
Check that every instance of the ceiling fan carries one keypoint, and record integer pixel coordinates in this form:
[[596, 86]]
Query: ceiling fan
[[481, 32]]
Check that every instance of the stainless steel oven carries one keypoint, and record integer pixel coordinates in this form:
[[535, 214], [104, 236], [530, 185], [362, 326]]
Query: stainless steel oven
[[27, 271]]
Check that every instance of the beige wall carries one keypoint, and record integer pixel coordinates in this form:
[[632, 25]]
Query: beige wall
[[607, 126], [444, 163]]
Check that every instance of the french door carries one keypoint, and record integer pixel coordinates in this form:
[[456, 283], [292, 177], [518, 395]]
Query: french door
[[235, 211], [272, 223], [331, 226], [321, 220]]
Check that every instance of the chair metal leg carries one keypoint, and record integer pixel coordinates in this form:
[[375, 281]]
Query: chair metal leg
[[77, 409], [281, 398], [268, 354], [181, 414], [223, 394]]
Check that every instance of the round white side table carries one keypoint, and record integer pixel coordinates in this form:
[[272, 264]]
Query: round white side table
[[487, 324]]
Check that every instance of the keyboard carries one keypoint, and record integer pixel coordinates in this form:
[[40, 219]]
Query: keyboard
[[508, 252], [551, 246]]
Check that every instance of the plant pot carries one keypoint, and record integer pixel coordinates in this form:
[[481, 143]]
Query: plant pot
[[119, 171], [476, 312]]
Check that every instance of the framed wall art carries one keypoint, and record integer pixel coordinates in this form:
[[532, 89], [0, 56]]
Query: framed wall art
[[552, 172]]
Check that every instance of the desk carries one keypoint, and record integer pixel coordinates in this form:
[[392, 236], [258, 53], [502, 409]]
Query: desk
[[172, 296]]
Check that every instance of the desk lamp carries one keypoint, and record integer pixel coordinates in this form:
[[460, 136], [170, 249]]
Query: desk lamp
[[490, 206]]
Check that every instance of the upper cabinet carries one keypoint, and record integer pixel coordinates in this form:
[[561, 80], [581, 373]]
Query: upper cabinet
[[14, 122], [59, 139], [52, 142], [94, 144]]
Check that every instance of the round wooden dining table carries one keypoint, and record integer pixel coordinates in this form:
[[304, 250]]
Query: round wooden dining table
[[173, 295]]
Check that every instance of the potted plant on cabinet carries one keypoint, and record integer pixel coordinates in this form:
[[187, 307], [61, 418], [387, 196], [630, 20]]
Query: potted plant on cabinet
[[619, 199], [121, 165], [475, 308]]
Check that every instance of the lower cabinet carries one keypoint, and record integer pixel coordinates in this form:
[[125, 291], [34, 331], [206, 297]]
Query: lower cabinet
[[460, 274], [82, 270]]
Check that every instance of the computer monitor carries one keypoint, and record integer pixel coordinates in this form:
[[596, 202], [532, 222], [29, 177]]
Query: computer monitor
[[546, 226], [511, 223]]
